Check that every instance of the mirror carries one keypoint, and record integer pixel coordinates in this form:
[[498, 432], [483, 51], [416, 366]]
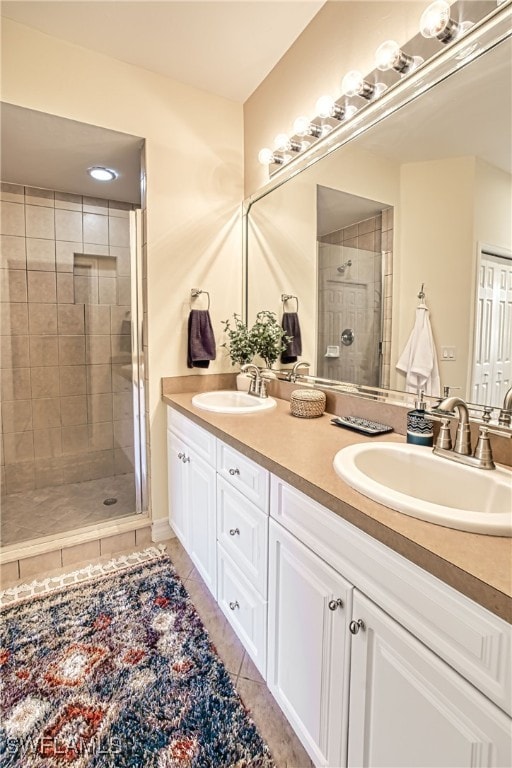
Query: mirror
[[426, 195]]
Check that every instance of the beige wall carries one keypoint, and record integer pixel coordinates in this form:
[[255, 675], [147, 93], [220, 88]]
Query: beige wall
[[436, 248], [342, 36], [194, 188]]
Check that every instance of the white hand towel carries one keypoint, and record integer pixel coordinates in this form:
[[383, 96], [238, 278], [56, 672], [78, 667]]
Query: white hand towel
[[419, 358]]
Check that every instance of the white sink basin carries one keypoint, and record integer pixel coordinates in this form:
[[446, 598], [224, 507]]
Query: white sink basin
[[412, 480], [232, 401]]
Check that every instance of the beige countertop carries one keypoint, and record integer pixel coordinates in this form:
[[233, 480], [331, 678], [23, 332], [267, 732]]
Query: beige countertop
[[300, 451]]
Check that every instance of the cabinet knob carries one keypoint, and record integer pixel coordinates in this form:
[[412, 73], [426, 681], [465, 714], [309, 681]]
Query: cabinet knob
[[181, 455], [333, 604], [234, 471], [185, 458], [355, 626], [234, 531], [234, 605]]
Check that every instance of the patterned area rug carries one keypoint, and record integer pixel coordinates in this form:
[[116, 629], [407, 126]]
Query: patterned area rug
[[118, 671]]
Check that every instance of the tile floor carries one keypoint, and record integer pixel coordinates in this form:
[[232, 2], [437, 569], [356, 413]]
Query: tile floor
[[286, 749], [45, 511]]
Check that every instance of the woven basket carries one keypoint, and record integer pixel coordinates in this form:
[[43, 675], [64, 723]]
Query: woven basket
[[307, 403]]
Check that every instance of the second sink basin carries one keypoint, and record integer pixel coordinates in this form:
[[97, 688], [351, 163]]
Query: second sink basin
[[232, 401], [412, 480]]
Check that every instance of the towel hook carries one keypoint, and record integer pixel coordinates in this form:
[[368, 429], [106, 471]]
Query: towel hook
[[195, 292], [287, 297], [421, 294]]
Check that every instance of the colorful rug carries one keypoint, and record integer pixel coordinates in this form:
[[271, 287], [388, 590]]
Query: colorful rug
[[118, 671]]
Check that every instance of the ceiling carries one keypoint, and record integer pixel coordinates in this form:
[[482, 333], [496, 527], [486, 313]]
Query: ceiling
[[52, 152], [224, 47]]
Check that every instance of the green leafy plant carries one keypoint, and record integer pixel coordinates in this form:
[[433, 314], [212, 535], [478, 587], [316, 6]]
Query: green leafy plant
[[240, 344], [268, 337]]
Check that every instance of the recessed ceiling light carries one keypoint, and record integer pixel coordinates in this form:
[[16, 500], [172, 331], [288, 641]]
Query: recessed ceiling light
[[100, 173]]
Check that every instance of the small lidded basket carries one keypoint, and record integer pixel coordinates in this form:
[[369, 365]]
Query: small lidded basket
[[307, 403]]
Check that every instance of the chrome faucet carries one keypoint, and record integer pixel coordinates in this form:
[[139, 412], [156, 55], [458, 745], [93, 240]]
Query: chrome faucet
[[506, 410], [258, 385], [292, 376], [461, 451]]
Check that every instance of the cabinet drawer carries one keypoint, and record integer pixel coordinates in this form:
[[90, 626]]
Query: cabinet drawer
[[242, 529], [244, 608], [244, 474], [196, 437], [472, 640]]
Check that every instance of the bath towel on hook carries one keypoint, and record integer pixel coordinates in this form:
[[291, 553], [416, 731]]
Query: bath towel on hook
[[419, 358]]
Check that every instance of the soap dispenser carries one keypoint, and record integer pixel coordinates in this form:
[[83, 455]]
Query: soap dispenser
[[419, 427]]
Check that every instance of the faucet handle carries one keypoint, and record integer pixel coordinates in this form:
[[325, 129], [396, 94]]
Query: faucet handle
[[483, 451], [444, 439]]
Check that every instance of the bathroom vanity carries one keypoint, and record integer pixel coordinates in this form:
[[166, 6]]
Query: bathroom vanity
[[384, 639]]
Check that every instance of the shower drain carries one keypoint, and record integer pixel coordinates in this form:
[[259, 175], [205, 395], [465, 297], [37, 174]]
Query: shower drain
[[110, 501]]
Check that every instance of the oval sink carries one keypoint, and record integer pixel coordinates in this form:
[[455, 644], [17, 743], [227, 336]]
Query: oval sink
[[412, 480], [232, 401]]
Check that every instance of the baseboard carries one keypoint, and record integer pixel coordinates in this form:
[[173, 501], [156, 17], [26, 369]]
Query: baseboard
[[161, 530]]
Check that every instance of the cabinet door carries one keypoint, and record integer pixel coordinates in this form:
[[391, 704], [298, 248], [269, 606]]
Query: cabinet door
[[176, 478], [200, 508], [308, 646], [408, 708]]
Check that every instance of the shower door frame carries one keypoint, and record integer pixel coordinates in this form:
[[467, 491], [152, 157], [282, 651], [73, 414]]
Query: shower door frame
[[137, 363]]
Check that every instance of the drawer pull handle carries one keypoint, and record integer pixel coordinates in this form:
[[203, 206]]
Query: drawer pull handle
[[234, 605], [234, 471], [355, 626], [234, 531], [333, 604]]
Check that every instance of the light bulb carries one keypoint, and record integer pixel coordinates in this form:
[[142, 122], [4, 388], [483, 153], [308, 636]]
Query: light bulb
[[389, 55], [353, 84], [325, 106], [100, 173], [301, 126], [436, 22], [265, 156], [282, 142]]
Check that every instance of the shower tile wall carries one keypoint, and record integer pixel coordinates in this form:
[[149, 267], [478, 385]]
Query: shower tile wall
[[371, 235], [67, 412]]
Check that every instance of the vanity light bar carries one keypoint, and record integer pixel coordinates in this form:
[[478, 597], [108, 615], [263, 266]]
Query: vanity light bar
[[435, 22]]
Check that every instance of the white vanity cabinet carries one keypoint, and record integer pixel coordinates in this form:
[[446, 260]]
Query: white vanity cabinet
[[191, 453], [374, 661], [378, 695], [310, 606], [242, 548], [408, 708]]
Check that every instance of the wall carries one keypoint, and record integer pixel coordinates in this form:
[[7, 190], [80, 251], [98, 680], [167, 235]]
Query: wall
[[67, 413], [437, 248], [194, 188], [342, 36]]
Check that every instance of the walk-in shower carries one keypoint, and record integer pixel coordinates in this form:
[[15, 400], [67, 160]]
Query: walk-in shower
[[69, 429]]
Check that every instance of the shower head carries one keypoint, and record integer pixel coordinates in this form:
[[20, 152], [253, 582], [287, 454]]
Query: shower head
[[341, 269]]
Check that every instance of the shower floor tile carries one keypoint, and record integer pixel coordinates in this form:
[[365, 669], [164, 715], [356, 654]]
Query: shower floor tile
[[46, 511]]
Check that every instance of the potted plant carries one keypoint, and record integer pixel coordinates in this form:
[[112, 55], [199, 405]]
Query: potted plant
[[239, 346], [268, 337]]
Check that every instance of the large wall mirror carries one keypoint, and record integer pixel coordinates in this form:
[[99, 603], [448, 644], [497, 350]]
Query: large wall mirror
[[422, 199]]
